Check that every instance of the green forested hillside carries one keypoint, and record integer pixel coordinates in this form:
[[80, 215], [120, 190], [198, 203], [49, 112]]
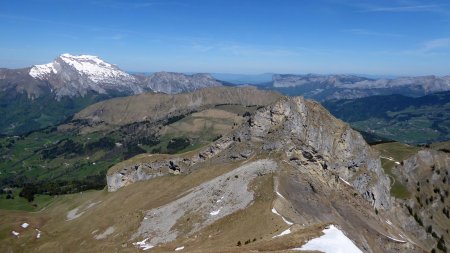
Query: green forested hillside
[[21, 114], [60, 160], [405, 119]]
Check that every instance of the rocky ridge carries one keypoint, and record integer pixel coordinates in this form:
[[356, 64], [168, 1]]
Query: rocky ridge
[[153, 107], [326, 173], [296, 128]]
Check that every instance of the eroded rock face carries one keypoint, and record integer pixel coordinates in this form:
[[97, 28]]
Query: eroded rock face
[[310, 138], [208, 202], [137, 172], [145, 171]]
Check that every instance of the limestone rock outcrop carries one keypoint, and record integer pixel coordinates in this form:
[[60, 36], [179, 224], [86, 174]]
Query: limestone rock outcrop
[[308, 136]]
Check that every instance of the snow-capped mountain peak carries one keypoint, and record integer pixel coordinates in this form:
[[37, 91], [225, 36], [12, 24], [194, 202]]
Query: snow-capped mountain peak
[[93, 67], [74, 75], [70, 75]]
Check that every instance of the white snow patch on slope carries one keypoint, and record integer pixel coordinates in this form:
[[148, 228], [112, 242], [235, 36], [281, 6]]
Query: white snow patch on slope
[[213, 213], [389, 222], [96, 69], [395, 240], [143, 244], [41, 71], [285, 232], [179, 248], [390, 159], [333, 241], [279, 194], [276, 188], [284, 219], [38, 233], [345, 181], [220, 200]]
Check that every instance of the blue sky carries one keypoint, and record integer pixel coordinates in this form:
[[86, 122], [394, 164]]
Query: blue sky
[[395, 37]]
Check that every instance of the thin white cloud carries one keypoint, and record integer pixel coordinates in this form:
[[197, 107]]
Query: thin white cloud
[[240, 49], [410, 8], [120, 4], [201, 47], [396, 6], [358, 31], [432, 45]]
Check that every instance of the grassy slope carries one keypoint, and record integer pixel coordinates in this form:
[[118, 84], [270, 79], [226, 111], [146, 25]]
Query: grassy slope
[[125, 208], [442, 146], [398, 152], [18, 203], [22, 158]]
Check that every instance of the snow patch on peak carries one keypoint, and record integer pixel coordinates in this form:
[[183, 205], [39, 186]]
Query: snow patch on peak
[[42, 71], [91, 67], [84, 58], [95, 69], [73, 75]]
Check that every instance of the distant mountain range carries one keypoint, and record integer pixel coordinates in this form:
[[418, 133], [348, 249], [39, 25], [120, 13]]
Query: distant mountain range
[[396, 117], [332, 87], [73, 76], [255, 79], [42, 95]]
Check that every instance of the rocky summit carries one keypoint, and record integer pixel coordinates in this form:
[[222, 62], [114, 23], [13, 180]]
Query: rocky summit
[[296, 128], [323, 172]]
